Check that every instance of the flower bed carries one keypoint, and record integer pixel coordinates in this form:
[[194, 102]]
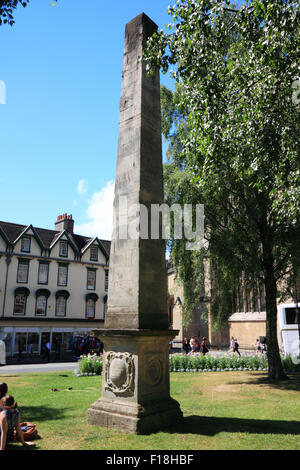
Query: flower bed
[[90, 364], [207, 363]]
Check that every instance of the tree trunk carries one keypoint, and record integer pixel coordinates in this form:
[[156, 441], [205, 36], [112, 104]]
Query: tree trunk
[[274, 360]]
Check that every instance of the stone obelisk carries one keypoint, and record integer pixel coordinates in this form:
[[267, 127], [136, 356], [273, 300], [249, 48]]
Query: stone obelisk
[[135, 380]]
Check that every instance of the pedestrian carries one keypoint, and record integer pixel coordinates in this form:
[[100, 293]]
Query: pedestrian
[[258, 346], [236, 347], [203, 346], [10, 421], [99, 348], [263, 348], [232, 344], [193, 344], [2, 353], [20, 348], [186, 345], [46, 354]]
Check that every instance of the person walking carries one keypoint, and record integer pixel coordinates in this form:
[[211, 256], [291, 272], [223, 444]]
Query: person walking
[[193, 344], [236, 347], [203, 346], [20, 348], [258, 346], [232, 344], [46, 353], [185, 345], [2, 353]]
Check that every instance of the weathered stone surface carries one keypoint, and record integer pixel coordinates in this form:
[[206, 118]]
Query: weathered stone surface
[[137, 281], [135, 382], [135, 379]]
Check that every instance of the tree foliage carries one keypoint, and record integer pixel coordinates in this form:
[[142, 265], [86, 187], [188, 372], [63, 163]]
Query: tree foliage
[[7, 8], [238, 145]]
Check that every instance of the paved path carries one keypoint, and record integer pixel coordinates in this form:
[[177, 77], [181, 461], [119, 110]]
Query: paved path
[[47, 367]]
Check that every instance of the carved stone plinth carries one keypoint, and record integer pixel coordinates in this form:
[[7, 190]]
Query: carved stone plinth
[[135, 382]]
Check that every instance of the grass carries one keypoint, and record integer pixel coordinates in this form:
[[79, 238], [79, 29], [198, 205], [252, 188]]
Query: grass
[[222, 411]]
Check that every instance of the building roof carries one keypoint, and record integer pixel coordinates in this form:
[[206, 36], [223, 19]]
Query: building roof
[[247, 316], [48, 237]]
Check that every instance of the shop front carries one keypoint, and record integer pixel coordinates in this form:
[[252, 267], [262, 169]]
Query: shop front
[[28, 344]]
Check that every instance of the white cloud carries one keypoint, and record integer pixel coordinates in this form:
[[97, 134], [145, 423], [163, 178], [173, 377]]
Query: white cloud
[[100, 213], [82, 186]]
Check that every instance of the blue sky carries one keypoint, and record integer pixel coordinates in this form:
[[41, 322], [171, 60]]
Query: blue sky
[[61, 65]]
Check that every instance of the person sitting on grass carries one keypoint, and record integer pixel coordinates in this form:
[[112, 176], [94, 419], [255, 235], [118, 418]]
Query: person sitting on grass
[[3, 391], [10, 421]]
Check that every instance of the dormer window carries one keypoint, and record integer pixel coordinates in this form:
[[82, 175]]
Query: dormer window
[[94, 253], [63, 249], [25, 244]]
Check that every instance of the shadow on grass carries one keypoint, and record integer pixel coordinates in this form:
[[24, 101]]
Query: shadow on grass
[[211, 425], [36, 414], [41, 413], [291, 383]]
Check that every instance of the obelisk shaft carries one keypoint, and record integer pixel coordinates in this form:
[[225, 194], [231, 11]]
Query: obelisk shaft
[[137, 295]]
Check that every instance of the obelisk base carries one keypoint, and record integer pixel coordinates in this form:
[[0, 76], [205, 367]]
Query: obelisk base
[[135, 382], [132, 418]]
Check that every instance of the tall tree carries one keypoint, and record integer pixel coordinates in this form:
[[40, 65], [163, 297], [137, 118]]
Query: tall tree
[[237, 69]]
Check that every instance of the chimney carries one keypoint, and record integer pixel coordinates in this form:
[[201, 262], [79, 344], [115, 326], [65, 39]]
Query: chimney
[[64, 222]]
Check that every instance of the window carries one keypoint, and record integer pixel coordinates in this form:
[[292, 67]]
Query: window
[[41, 302], [41, 306], [21, 294], [23, 269], [170, 309], [91, 279], [91, 300], [291, 316], [90, 308], [62, 278], [106, 280], [61, 304], [104, 305], [33, 343], [20, 304], [63, 249], [25, 244], [43, 273], [94, 253]]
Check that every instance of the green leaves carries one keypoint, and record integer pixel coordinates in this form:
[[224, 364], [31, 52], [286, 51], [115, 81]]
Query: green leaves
[[233, 130], [6, 10]]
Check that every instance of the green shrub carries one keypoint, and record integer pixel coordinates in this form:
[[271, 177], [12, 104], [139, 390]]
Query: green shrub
[[287, 362], [90, 364]]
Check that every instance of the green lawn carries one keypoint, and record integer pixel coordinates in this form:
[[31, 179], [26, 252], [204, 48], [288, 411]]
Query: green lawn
[[222, 411]]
